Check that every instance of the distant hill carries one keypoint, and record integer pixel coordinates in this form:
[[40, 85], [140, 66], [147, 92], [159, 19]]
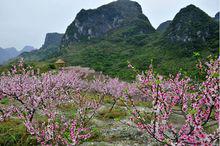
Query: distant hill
[[49, 49], [27, 49], [107, 37], [9, 53]]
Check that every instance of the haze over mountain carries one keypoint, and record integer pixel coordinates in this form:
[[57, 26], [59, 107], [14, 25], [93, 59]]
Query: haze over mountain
[[6, 54], [48, 50], [9, 53], [27, 49]]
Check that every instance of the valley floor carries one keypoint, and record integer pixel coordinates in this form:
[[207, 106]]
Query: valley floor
[[109, 128]]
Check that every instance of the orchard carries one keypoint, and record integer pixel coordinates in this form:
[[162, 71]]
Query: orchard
[[31, 94]]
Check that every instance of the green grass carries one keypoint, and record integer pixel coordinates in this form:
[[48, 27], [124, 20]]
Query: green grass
[[136, 103], [115, 113], [4, 101], [13, 133], [96, 135], [69, 110]]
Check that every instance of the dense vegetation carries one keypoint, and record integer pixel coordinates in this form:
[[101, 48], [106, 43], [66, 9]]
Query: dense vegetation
[[191, 32]]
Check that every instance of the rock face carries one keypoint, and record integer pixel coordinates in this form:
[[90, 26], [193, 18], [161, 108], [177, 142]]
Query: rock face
[[98, 22], [192, 26], [49, 49], [217, 16], [122, 33], [163, 26], [52, 39]]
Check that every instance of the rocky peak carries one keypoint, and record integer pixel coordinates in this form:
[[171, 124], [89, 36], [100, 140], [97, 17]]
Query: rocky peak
[[163, 26], [217, 16], [95, 23], [52, 39], [191, 25]]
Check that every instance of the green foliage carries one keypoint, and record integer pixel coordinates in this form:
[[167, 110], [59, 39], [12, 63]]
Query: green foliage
[[13, 132], [111, 55], [192, 111], [4, 101], [138, 43], [51, 66]]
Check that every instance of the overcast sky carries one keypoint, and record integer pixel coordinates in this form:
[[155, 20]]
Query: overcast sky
[[26, 22]]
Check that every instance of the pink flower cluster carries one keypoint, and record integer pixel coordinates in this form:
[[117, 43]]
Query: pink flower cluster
[[30, 93], [115, 88], [52, 132], [197, 103]]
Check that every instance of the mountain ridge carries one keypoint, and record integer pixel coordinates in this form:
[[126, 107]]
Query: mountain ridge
[[95, 23], [9, 53], [49, 49], [171, 50], [217, 16]]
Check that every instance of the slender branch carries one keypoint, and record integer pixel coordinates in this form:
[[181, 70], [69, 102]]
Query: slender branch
[[115, 101], [212, 107]]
